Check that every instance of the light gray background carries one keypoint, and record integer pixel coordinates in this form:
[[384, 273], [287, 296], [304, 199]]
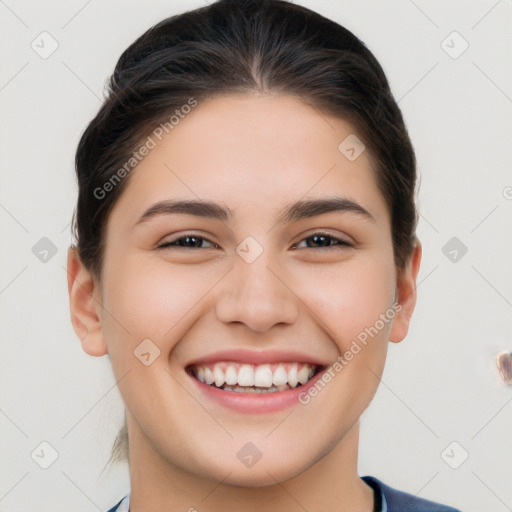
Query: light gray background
[[440, 385]]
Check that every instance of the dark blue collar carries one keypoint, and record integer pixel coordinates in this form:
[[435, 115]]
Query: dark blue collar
[[386, 499]]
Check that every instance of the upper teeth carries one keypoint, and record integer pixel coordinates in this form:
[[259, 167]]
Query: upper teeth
[[262, 376]]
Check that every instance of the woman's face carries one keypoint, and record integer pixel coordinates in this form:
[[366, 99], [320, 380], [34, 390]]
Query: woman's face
[[276, 262]]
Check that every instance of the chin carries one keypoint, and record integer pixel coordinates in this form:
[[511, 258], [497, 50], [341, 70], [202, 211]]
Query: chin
[[262, 474]]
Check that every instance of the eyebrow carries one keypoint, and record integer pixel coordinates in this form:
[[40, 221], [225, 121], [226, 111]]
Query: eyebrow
[[312, 207], [294, 212], [194, 207]]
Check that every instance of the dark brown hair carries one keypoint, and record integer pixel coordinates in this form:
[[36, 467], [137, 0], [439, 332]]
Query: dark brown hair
[[241, 47]]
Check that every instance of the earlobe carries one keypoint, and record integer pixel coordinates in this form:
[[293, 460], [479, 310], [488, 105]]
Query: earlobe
[[406, 296], [83, 302]]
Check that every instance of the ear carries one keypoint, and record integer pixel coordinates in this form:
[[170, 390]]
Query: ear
[[84, 304], [406, 296]]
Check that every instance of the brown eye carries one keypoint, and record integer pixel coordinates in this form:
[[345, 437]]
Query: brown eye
[[188, 242], [322, 241]]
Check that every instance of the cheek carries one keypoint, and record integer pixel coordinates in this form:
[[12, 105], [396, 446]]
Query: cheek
[[150, 298], [350, 298]]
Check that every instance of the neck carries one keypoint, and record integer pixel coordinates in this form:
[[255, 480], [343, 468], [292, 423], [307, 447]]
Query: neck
[[331, 484]]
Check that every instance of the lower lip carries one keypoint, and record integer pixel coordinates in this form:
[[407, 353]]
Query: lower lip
[[256, 402]]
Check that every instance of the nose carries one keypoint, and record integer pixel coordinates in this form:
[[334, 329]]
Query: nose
[[257, 295]]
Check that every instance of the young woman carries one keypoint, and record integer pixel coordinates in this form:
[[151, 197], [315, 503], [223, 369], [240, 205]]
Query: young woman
[[245, 251]]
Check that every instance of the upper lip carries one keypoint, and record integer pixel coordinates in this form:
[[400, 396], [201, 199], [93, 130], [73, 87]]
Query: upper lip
[[257, 357]]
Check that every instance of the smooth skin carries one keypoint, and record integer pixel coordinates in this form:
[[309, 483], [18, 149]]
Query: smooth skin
[[256, 155]]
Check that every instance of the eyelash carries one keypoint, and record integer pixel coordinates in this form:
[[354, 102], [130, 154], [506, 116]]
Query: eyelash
[[339, 243]]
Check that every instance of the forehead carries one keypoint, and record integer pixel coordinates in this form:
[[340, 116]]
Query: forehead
[[252, 151]]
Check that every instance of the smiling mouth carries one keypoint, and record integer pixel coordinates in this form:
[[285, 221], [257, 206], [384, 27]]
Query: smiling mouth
[[249, 378]]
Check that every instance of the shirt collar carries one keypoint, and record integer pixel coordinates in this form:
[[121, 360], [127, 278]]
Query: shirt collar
[[124, 506]]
